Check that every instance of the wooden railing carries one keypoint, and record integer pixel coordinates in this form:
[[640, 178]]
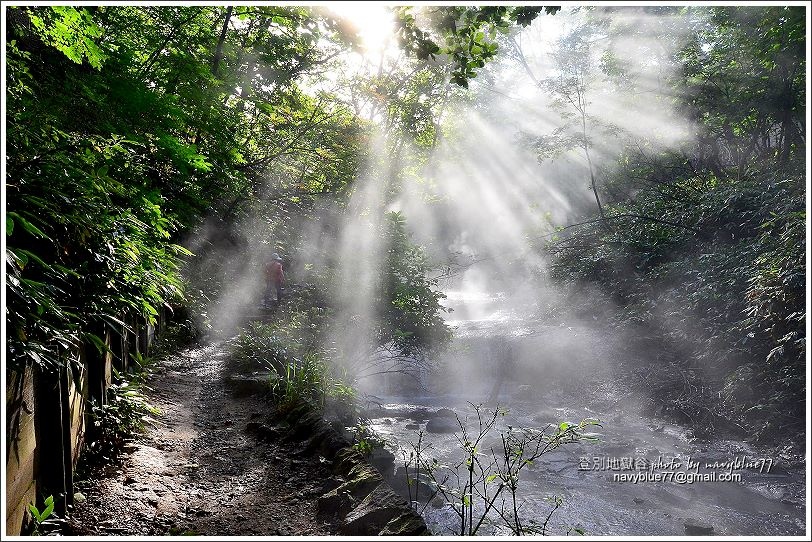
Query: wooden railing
[[46, 415]]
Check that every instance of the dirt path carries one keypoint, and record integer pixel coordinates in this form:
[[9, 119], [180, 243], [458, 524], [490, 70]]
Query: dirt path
[[200, 471]]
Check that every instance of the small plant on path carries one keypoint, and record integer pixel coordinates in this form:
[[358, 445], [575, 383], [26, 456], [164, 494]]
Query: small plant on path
[[41, 517]]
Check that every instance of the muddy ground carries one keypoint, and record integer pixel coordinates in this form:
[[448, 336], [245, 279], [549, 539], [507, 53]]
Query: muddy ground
[[200, 471]]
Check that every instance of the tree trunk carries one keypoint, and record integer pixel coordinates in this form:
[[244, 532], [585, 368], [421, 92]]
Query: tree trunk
[[591, 169], [218, 54]]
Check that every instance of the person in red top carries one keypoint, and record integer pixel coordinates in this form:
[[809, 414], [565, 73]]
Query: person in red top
[[275, 276]]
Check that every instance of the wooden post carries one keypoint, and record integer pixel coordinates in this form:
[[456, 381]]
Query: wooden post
[[122, 350], [143, 336], [99, 367], [53, 430], [161, 322], [21, 448], [67, 440]]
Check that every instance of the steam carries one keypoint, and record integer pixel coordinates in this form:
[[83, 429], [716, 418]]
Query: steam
[[360, 255], [500, 195], [503, 186], [496, 184]]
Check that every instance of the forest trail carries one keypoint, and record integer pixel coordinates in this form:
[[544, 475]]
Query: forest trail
[[199, 471]]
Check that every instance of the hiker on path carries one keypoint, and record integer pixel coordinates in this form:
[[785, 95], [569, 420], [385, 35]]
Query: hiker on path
[[274, 276]]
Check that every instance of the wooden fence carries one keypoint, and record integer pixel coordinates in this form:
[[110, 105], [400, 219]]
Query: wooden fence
[[46, 419]]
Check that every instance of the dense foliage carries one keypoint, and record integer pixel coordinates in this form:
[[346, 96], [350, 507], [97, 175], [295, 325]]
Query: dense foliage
[[132, 129], [88, 233], [121, 418], [702, 251], [409, 308], [464, 37], [129, 127]]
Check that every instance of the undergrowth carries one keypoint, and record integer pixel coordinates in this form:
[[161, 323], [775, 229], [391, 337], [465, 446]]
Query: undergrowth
[[289, 349], [124, 415]]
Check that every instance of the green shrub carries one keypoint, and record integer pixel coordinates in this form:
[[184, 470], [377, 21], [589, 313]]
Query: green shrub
[[259, 347], [299, 374], [722, 294], [123, 416], [300, 381]]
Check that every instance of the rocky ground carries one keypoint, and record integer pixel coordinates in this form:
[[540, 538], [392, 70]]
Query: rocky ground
[[216, 465]]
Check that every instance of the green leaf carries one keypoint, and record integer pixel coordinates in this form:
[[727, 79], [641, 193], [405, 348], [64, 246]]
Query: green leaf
[[34, 512], [48, 510], [101, 346], [29, 227], [32, 256], [9, 226]]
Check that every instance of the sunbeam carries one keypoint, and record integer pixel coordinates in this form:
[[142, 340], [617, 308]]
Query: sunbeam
[[406, 270]]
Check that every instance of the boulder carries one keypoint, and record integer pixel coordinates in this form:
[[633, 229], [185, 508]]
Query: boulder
[[325, 441], [406, 524], [362, 478], [328, 484], [375, 513], [303, 422], [418, 487], [446, 413], [697, 528], [383, 460], [345, 459], [442, 425], [336, 502], [419, 414]]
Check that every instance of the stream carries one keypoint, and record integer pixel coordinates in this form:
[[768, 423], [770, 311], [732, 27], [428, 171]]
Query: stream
[[558, 373]]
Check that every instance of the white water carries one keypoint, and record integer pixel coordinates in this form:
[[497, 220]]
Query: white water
[[550, 387]]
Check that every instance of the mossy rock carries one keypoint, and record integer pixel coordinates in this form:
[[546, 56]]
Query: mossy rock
[[346, 459], [337, 501], [341, 500], [375, 513], [406, 524], [362, 476]]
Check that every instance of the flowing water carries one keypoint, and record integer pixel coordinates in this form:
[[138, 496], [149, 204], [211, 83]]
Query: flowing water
[[561, 373]]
